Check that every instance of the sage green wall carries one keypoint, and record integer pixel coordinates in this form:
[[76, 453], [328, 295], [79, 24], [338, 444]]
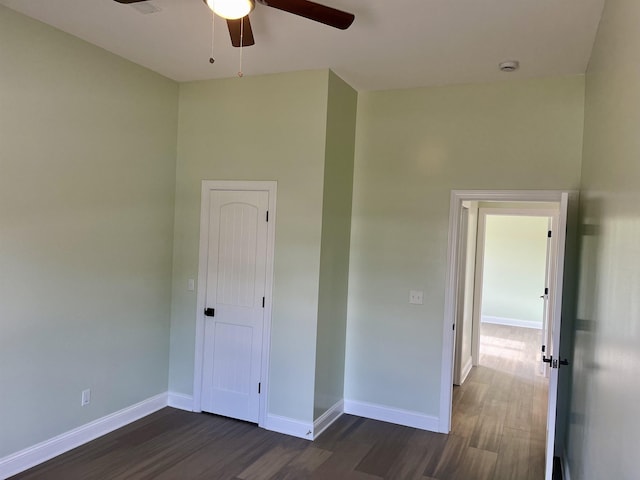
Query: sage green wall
[[334, 251], [412, 148], [87, 169], [515, 255], [270, 127], [604, 429]]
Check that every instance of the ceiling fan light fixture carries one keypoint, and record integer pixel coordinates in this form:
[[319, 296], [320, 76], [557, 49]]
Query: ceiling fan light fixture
[[231, 9]]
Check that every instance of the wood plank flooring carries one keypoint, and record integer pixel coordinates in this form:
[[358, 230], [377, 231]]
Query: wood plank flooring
[[495, 436]]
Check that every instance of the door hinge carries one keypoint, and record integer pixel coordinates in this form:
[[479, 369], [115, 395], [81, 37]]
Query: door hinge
[[267, 215], [209, 312], [549, 234], [262, 302], [453, 327], [546, 290], [259, 386]]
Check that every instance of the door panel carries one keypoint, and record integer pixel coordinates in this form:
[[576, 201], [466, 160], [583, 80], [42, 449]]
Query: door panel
[[555, 300], [236, 270], [237, 255]]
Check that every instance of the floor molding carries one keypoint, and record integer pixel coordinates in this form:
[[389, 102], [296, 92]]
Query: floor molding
[[37, 454], [398, 416], [43, 451], [180, 401], [512, 322], [466, 369], [327, 418], [289, 426]]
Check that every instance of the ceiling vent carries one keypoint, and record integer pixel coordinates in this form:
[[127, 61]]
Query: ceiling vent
[[146, 7], [509, 66]]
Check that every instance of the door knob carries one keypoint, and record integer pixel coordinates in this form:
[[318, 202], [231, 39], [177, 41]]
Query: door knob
[[209, 312]]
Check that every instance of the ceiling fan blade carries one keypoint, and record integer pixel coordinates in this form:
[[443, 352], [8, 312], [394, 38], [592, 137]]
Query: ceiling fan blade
[[313, 11], [130, 1], [235, 31]]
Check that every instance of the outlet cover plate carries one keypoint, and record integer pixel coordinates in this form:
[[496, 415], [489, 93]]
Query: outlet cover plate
[[415, 297]]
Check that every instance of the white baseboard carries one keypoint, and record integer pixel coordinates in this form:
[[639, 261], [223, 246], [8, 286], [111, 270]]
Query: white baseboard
[[43, 451], [327, 418], [407, 418], [289, 426], [512, 322], [180, 401], [466, 369], [566, 474]]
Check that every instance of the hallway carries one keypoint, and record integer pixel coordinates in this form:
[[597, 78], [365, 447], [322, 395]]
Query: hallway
[[500, 410]]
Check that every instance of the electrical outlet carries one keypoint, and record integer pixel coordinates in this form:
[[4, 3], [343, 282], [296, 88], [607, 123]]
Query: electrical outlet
[[86, 397], [415, 297]]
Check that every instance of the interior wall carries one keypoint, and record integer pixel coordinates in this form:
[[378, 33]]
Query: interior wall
[[412, 148], [334, 251], [604, 427], [87, 172], [514, 266], [270, 127]]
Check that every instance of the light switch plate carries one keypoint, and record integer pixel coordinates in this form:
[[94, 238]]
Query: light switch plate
[[86, 397], [415, 297], [191, 285]]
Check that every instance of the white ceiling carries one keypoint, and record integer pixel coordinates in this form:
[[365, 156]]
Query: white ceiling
[[391, 44]]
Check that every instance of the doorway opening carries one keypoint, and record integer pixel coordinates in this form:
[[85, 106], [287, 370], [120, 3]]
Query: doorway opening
[[493, 352]]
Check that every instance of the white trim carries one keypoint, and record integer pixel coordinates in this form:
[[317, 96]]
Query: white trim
[[327, 418], [512, 322], [43, 451], [520, 212], [466, 370], [461, 286], [398, 416], [457, 197], [208, 185], [180, 401], [289, 426], [478, 286]]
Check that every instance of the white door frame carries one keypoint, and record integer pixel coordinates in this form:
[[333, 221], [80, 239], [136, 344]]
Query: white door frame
[[479, 271], [457, 197], [207, 186], [458, 374]]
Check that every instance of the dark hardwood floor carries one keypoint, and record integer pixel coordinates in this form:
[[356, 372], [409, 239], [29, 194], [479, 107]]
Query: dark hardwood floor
[[498, 434]]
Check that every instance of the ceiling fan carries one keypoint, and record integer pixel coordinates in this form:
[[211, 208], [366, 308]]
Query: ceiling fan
[[240, 27]]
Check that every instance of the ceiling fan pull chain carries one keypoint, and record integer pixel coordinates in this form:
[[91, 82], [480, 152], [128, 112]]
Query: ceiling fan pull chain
[[241, 44], [213, 25]]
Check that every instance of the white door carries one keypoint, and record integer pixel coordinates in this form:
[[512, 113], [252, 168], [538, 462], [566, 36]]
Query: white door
[[234, 303], [547, 312], [553, 348]]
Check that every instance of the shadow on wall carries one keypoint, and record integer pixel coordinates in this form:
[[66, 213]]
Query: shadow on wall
[[584, 328]]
